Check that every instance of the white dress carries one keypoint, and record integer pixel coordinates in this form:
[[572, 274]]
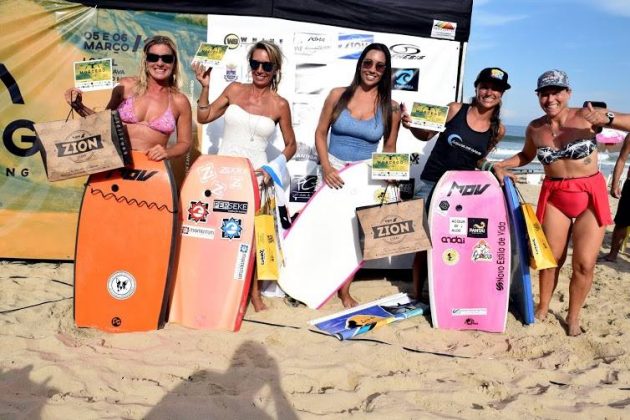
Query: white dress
[[246, 135]]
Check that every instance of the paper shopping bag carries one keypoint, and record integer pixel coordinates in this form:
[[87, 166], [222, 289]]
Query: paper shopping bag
[[392, 229], [540, 255], [266, 235], [83, 146]]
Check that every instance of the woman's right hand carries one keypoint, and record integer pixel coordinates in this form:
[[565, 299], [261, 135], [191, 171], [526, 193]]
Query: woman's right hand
[[74, 97], [332, 178], [405, 117], [202, 74]]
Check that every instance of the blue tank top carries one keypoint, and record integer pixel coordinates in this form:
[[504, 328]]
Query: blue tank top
[[352, 139], [458, 148]]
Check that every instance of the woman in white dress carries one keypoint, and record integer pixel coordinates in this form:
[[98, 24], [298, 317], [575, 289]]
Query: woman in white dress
[[251, 112]]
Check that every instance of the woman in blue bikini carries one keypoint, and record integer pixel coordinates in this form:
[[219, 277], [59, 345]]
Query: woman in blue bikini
[[358, 117], [573, 202]]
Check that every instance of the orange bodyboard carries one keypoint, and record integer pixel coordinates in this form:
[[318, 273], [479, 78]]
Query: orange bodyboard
[[215, 262], [125, 248]]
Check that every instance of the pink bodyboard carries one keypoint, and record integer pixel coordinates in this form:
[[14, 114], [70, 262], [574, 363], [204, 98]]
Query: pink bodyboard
[[215, 263], [469, 264]]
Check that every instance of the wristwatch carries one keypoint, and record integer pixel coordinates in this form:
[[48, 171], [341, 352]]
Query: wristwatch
[[611, 117]]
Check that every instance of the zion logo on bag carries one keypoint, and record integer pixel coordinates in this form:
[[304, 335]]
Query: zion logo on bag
[[392, 229], [79, 146]]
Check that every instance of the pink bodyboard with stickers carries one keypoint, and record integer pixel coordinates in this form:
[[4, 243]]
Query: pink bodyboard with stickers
[[215, 262], [469, 264]]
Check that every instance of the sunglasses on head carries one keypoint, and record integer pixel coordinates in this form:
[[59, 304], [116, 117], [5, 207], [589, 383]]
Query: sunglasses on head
[[266, 65], [166, 58], [367, 64]]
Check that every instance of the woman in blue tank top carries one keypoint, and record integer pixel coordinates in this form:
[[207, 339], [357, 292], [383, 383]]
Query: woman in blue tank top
[[472, 131], [358, 116]]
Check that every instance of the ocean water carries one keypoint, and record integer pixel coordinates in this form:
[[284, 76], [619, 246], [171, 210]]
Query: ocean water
[[513, 142]]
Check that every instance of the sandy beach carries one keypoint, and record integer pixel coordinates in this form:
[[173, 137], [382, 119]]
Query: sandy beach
[[275, 367]]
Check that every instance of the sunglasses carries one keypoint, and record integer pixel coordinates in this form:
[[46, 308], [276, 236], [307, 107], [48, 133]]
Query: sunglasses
[[266, 65], [367, 65], [166, 58]]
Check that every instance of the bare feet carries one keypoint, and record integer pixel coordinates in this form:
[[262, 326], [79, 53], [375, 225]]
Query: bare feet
[[258, 303], [541, 313], [346, 300], [573, 328]]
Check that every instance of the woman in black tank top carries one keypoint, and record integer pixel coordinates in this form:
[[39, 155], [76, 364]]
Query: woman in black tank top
[[472, 131]]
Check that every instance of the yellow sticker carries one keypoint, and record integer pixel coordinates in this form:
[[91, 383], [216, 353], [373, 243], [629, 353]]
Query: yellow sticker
[[450, 256]]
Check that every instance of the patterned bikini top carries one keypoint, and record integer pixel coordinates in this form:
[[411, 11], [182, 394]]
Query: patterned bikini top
[[578, 149], [165, 123]]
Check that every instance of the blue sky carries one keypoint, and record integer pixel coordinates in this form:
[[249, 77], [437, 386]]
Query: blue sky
[[589, 39]]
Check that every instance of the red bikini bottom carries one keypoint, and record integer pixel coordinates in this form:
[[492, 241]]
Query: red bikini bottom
[[572, 196]]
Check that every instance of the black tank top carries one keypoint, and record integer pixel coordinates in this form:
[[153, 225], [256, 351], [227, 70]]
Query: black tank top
[[458, 147]]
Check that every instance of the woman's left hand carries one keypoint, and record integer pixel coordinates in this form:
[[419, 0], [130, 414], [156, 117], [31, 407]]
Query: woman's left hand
[[157, 153], [501, 174]]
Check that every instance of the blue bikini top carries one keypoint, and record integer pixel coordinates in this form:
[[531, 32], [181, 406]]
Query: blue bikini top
[[578, 149]]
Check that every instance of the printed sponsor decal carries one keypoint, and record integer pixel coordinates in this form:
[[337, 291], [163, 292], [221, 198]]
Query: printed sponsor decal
[[406, 52], [477, 228], [305, 153], [242, 258], [407, 188], [231, 228], [133, 174], [206, 173], [405, 79], [198, 211], [457, 226], [350, 46], [309, 44], [198, 232], [501, 250], [302, 188], [455, 140], [444, 205], [469, 311], [121, 285], [227, 206], [443, 29], [472, 189], [450, 256], [481, 252], [232, 41], [453, 240]]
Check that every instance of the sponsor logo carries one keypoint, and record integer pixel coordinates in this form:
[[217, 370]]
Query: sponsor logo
[[302, 188], [134, 174], [450, 256], [231, 73], [305, 153], [477, 228], [116, 322], [472, 189], [443, 29], [310, 44], [232, 41], [500, 281], [79, 146], [453, 240], [406, 52], [198, 232], [121, 285], [240, 268], [393, 229], [444, 205], [206, 173], [231, 228], [405, 79], [198, 211], [469, 311], [226, 206], [481, 252], [470, 321], [414, 158], [457, 226], [455, 140], [351, 45]]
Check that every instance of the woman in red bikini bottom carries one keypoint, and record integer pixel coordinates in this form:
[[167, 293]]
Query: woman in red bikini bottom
[[150, 105], [573, 201]]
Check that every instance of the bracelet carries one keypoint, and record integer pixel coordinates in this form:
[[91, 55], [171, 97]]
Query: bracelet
[[487, 166], [199, 106]]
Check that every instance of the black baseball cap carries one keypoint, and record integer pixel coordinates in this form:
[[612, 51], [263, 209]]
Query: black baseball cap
[[495, 75]]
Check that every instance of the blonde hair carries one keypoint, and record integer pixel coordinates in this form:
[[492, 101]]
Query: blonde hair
[[275, 55], [174, 82]]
